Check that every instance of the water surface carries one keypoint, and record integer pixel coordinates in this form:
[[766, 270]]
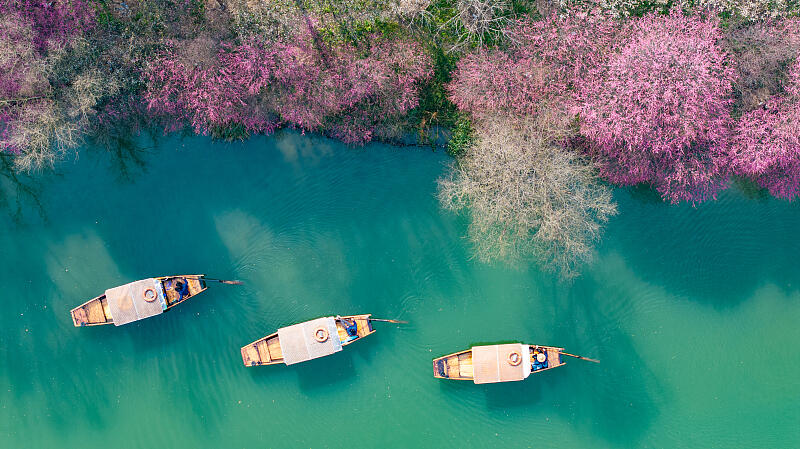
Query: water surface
[[692, 311]]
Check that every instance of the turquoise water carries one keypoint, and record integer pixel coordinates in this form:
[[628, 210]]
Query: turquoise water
[[693, 311]]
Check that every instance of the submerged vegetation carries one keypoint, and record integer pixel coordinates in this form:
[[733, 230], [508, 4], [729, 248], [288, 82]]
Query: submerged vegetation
[[545, 101]]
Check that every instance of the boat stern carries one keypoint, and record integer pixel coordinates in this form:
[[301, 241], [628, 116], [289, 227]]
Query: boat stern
[[79, 318], [440, 368], [250, 356]]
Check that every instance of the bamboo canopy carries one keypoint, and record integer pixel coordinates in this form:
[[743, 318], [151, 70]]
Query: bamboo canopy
[[309, 340], [135, 301], [500, 363]]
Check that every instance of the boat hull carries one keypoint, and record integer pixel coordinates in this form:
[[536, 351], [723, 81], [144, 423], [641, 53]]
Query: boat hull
[[267, 350], [96, 311], [458, 365]]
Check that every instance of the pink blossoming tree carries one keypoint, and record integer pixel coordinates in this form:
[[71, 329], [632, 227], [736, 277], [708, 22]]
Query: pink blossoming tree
[[209, 97], [767, 147], [658, 111], [545, 62], [53, 22], [347, 92]]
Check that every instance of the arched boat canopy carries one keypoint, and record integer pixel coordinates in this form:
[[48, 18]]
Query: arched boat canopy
[[305, 341], [500, 363], [136, 301]]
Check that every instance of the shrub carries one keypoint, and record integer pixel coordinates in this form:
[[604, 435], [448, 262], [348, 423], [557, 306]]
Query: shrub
[[462, 139], [658, 111], [767, 147], [527, 197]]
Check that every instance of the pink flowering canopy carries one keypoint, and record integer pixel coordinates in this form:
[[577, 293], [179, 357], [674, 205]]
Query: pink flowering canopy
[[347, 92], [28, 29], [658, 111], [547, 59], [53, 21], [208, 97], [767, 145]]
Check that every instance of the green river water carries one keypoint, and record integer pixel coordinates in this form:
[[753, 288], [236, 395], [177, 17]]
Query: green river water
[[693, 311]]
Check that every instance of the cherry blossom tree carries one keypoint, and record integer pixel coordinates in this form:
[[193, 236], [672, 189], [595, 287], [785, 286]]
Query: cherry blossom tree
[[658, 111], [545, 62], [345, 91], [767, 145]]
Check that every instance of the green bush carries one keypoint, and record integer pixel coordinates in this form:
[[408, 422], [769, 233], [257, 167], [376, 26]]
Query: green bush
[[462, 139]]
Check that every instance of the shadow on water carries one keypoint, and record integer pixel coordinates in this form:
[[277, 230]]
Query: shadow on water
[[325, 371], [621, 388], [713, 252], [317, 374], [528, 393], [643, 193]]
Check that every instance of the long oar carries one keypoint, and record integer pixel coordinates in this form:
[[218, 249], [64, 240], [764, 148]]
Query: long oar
[[579, 357], [222, 281], [388, 321]]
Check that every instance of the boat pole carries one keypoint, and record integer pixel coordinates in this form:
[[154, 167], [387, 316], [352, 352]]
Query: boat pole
[[388, 321], [222, 281], [579, 357]]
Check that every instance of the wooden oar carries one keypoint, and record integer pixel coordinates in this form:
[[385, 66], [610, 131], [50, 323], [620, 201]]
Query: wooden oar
[[389, 321], [222, 281], [579, 357]]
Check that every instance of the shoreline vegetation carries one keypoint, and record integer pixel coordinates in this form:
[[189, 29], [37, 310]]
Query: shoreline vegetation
[[544, 105]]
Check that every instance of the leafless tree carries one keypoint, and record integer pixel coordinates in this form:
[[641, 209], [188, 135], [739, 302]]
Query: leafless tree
[[528, 197], [477, 20]]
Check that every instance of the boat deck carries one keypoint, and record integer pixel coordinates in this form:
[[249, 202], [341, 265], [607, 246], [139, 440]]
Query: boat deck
[[96, 311], [92, 313], [553, 358], [173, 297], [459, 365], [267, 350]]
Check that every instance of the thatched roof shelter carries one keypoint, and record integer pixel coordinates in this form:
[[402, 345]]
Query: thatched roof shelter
[[309, 340], [500, 363], [135, 301]]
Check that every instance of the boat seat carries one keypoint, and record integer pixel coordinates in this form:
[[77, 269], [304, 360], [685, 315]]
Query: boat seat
[[94, 311], [261, 352], [79, 316]]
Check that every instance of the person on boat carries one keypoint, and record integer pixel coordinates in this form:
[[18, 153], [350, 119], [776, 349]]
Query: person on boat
[[350, 326], [182, 288], [539, 359]]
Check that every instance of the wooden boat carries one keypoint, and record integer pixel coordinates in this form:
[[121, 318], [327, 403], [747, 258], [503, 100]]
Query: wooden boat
[[308, 340], [138, 300], [497, 363]]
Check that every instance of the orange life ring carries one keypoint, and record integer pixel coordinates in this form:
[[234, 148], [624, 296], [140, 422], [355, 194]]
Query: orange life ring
[[514, 358], [150, 294], [321, 334]]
